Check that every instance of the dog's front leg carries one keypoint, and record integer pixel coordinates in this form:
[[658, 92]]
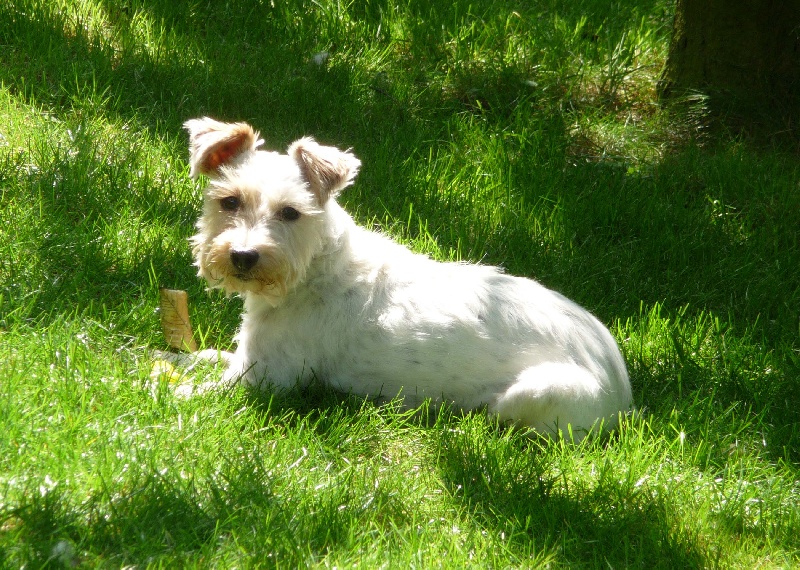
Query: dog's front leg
[[188, 361]]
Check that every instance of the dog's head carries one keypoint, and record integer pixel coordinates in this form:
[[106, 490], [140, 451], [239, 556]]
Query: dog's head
[[265, 214]]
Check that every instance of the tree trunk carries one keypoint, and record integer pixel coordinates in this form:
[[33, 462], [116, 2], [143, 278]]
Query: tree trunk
[[743, 56]]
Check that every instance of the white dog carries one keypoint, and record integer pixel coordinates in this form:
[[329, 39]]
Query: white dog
[[324, 297]]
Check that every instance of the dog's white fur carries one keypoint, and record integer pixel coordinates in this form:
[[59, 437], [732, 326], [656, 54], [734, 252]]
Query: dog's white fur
[[330, 299]]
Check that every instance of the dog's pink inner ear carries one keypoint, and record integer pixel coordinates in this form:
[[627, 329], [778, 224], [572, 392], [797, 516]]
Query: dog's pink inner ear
[[213, 144], [223, 153]]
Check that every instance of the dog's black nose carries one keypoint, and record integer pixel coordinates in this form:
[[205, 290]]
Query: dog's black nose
[[244, 259]]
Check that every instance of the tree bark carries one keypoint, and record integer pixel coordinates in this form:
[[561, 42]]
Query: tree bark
[[742, 56]]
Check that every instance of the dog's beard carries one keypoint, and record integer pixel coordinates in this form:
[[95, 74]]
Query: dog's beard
[[271, 277]]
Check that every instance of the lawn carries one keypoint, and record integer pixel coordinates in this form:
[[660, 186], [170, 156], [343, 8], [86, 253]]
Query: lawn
[[525, 135]]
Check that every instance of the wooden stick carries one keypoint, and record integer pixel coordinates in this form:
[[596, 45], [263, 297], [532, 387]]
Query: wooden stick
[[174, 304]]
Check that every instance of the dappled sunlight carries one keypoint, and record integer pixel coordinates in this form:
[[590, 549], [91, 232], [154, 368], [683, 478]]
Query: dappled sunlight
[[521, 135]]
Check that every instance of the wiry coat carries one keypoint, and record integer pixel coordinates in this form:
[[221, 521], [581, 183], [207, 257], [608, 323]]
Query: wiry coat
[[330, 299]]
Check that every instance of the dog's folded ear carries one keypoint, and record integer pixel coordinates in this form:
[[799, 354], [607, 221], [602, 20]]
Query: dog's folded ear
[[326, 169], [213, 144]]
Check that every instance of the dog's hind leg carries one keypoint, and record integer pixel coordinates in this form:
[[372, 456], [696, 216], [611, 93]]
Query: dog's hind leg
[[551, 396]]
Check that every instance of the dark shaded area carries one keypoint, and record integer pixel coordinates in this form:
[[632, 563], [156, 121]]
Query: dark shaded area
[[511, 490], [744, 58]]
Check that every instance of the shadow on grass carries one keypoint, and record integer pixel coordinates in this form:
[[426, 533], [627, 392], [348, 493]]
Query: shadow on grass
[[506, 484], [681, 244], [345, 424], [246, 506], [75, 79], [508, 487], [155, 517]]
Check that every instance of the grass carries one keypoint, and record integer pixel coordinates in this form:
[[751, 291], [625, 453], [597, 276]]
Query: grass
[[525, 136]]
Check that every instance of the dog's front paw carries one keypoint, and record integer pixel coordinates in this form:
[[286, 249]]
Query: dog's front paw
[[175, 371], [189, 360], [190, 389]]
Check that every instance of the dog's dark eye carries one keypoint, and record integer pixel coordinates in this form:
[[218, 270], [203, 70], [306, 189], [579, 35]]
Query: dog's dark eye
[[230, 203], [288, 214]]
